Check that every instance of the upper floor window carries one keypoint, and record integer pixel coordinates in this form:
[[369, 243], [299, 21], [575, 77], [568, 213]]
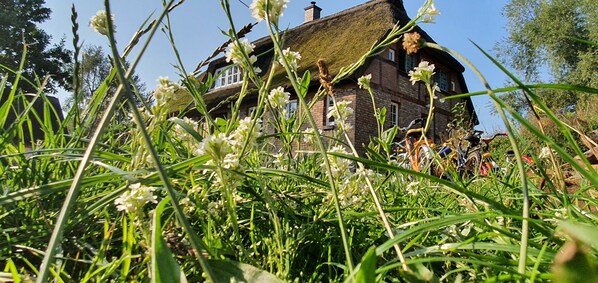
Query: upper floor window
[[228, 75], [394, 114], [391, 54], [442, 80], [411, 62]]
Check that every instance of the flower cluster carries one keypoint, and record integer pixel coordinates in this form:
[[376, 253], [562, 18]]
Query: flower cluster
[[338, 165], [268, 10], [224, 149], [247, 132], [291, 57], [168, 94], [278, 98], [544, 153], [184, 136], [364, 81], [134, 199], [428, 13], [412, 42], [99, 22], [412, 188], [237, 51], [423, 72], [341, 112], [309, 136]]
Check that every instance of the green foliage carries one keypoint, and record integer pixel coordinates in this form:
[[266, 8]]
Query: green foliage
[[546, 37], [18, 20]]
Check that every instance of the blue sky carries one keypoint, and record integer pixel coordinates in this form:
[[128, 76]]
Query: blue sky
[[197, 24]]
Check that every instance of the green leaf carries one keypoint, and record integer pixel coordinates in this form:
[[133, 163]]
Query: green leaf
[[367, 269], [188, 128], [305, 83], [231, 271], [164, 267]]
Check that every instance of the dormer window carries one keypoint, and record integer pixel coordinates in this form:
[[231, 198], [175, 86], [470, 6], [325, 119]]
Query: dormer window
[[228, 75]]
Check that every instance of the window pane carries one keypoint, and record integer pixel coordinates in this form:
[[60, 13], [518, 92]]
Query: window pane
[[410, 62], [329, 105]]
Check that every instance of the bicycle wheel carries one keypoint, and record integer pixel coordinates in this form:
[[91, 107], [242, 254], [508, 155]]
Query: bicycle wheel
[[472, 163]]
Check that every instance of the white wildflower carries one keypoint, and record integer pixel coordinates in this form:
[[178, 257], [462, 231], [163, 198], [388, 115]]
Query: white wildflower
[[237, 50], [166, 92], [99, 22], [272, 9], [230, 161], [247, 132], [364, 81], [544, 153], [309, 136], [135, 198], [412, 188], [291, 57], [216, 146], [338, 165], [278, 98], [423, 72], [341, 111], [427, 16]]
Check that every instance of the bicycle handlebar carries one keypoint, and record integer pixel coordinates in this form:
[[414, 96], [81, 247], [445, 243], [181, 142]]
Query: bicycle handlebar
[[487, 140], [415, 121]]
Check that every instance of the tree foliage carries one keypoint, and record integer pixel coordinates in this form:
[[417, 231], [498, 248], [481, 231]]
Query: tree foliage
[[18, 27], [95, 67], [545, 43]]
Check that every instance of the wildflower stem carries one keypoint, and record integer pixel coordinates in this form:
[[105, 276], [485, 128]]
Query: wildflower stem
[[375, 195], [515, 148], [196, 243], [318, 140]]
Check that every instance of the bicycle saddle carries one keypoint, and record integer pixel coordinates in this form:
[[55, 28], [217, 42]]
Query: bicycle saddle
[[473, 139]]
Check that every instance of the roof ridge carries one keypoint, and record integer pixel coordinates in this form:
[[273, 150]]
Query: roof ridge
[[361, 6]]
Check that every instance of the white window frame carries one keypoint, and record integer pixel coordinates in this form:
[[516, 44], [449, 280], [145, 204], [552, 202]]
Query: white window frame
[[391, 54], [291, 108], [394, 114], [228, 75], [329, 103]]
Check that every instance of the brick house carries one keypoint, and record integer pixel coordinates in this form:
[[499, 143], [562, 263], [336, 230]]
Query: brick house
[[341, 39]]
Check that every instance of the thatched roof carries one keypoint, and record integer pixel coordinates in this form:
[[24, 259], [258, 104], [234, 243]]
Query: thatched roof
[[339, 39]]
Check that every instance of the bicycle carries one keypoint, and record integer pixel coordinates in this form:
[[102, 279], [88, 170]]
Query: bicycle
[[471, 160], [480, 159], [414, 152]]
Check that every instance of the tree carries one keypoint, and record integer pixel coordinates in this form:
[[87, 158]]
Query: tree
[[543, 43], [95, 67], [18, 19]]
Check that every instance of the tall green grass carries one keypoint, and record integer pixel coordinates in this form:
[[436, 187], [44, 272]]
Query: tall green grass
[[221, 200]]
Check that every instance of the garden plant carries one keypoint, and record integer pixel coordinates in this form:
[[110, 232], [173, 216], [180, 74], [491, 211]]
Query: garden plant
[[163, 198]]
